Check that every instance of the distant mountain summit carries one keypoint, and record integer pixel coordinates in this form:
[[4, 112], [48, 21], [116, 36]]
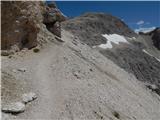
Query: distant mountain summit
[[90, 26]]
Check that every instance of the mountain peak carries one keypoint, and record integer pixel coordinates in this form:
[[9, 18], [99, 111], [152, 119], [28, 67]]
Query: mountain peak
[[92, 25]]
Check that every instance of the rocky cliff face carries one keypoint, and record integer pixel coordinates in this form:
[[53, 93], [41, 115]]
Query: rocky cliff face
[[20, 24], [53, 18], [156, 37], [22, 21]]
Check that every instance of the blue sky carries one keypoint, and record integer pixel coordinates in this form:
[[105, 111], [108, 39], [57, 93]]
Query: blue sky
[[137, 14]]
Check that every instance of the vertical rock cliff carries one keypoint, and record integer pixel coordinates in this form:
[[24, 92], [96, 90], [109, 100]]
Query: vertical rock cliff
[[21, 22]]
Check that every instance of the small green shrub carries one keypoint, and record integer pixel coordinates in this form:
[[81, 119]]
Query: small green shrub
[[36, 50]]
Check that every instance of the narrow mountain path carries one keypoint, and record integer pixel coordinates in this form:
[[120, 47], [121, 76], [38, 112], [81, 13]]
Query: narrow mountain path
[[45, 84]]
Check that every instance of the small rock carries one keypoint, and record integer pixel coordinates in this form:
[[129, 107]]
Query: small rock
[[28, 97], [15, 48], [10, 56], [152, 86], [77, 75], [17, 21], [94, 46], [59, 39], [24, 50], [5, 53], [16, 107], [22, 69]]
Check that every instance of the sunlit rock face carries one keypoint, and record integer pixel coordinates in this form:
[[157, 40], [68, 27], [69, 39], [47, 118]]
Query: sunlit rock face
[[20, 24], [22, 21]]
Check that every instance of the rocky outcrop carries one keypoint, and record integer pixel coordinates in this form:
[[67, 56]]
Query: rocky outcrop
[[14, 108], [53, 18], [156, 38], [28, 97], [20, 24], [22, 21]]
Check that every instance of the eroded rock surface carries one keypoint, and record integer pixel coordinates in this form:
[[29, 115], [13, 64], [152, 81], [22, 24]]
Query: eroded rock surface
[[22, 20], [53, 18], [20, 24]]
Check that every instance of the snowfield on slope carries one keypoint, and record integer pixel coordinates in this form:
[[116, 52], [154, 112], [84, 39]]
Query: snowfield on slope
[[150, 54], [112, 38]]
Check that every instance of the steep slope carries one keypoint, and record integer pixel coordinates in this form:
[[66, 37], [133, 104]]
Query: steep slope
[[101, 30], [73, 81]]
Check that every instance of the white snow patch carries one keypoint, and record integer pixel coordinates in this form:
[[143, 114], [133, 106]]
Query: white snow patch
[[158, 59], [150, 55], [112, 38], [133, 38], [147, 52]]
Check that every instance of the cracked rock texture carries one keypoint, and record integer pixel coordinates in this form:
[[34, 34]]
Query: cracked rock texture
[[20, 24]]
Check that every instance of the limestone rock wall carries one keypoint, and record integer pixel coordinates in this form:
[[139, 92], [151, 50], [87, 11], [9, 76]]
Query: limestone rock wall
[[20, 24]]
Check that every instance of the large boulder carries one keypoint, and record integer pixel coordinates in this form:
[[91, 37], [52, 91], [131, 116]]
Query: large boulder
[[14, 108]]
